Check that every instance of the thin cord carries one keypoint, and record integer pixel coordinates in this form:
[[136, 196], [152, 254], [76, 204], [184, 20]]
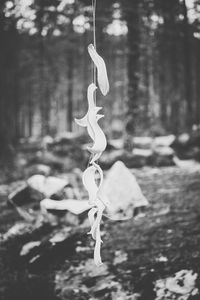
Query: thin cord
[[94, 4]]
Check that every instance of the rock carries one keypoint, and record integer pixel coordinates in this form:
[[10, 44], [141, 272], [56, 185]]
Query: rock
[[163, 156], [103, 287], [92, 271], [189, 164], [117, 143], [144, 157], [47, 141], [164, 141], [162, 259], [47, 186], [111, 147], [4, 190], [181, 287], [28, 247], [117, 128], [187, 146], [37, 169], [19, 229], [143, 142], [20, 195], [122, 191], [120, 257], [60, 236], [76, 207]]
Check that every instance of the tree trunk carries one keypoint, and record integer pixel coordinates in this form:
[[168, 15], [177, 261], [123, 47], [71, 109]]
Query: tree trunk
[[131, 11], [8, 87], [188, 72]]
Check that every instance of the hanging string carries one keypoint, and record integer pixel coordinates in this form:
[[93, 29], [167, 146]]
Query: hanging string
[[94, 4], [94, 21], [94, 42]]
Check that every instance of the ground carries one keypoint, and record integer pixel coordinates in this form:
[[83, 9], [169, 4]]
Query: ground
[[136, 253]]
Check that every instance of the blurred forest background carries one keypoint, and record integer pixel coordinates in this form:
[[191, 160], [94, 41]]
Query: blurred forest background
[[152, 123], [152, 51]]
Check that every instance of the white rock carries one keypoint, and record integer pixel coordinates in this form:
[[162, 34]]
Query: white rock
[[187, 277], [27, 247], [47, 185], [164, 141], [181, 286], [143, 142], [120, 257], [142, 152], [121, 190], [164, 151]]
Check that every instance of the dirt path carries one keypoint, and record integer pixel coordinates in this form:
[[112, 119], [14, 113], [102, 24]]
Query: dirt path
[[136, 253]]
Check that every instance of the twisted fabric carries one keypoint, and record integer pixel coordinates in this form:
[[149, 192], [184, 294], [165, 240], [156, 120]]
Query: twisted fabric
[[90, 121]]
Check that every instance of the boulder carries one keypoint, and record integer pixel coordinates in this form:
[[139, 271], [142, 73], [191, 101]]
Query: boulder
[[187, 146], [164, 141], [37, 169], [182, 286], [47, 186], [163, 156], [122, 192], [24, 194], [143, 142]]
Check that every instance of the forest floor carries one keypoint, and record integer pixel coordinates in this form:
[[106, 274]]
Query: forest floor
[[140, 255]]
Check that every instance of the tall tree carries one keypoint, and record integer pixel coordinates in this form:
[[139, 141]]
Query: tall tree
[[132, 15], [188, 65], [8, 81]]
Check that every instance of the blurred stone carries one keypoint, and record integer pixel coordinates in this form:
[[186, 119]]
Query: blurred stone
[[143, 142], [19, 229], [120, 257], [60, 236], [47, 141], [189, 164], [143, 156], [4, 189], [23, 195], [38, 169], [163, 156], [164, 141], [182, 286], [92, 271], [121, 190], [117, 143], [187, 146], [47, 185], [28, 247], [117, 127]]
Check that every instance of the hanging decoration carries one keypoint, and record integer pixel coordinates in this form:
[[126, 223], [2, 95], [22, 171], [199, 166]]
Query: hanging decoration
[[90, 122]]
